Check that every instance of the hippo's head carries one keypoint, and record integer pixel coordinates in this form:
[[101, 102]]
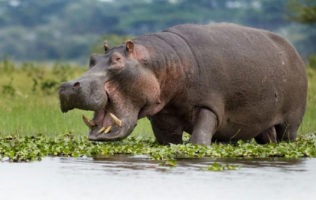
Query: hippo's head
[[118, 87]]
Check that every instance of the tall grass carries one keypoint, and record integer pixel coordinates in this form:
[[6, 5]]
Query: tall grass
[[29, 103], [309, 123]]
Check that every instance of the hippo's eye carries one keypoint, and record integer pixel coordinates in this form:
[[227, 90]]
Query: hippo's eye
[[91, 62]]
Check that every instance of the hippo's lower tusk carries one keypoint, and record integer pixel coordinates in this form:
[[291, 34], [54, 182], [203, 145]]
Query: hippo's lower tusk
[[101, 130], [107, 130], [116, 120], [88, 122]]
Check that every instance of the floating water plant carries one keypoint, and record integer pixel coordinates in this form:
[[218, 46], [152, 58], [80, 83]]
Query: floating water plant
[[221, 167], [29, 148]]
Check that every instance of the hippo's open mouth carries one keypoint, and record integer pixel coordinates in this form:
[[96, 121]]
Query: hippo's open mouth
[[104, 126], [107, 126]]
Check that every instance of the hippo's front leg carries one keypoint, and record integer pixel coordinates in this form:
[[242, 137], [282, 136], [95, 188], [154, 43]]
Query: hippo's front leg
[[204, 128], [167, 129]]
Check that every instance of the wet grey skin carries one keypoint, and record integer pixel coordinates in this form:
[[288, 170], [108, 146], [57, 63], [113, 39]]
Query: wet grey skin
[[219, 82]]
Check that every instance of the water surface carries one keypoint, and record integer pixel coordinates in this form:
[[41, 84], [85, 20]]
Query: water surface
[[126, 177]]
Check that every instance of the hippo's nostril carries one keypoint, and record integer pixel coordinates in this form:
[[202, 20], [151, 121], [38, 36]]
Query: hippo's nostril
[[63, 87], [76, 85]]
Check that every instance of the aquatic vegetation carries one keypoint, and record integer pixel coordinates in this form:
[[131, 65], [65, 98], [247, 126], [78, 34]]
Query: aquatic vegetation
[[30, 148], [221, 167]]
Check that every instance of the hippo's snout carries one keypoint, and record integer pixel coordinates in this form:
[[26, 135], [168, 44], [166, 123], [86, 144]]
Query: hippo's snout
[[68, 93], [83, 94]]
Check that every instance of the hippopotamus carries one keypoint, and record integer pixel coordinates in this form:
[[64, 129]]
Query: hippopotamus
[[220, 82]]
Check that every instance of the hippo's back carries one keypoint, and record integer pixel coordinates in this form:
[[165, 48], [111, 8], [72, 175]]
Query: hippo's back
[[252, 79]]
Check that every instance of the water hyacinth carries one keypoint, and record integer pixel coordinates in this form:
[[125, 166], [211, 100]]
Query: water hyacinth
[[30, 148]]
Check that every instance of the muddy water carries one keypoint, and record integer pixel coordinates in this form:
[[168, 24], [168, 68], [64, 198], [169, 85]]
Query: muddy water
[[140, 178]]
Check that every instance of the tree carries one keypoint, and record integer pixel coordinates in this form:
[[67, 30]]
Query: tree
[[66, 29], [303, 11]]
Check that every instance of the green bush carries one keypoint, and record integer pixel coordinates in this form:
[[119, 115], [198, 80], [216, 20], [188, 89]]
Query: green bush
[[312, 61], [8, 89], [49, 86]]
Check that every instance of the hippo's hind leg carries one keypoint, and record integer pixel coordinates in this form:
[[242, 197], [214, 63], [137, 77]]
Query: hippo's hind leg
[[286, 132], [267, 136], [167, 129]]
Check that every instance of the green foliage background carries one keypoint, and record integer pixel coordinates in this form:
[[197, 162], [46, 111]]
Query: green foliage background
[[70, 30]]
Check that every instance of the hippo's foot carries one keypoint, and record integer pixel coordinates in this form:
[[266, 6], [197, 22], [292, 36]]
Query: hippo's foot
[[267, 136]]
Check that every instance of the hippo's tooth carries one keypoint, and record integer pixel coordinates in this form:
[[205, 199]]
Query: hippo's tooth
[[101, 130], [116, 120], [108, 129], [88, 122], [105, 130]]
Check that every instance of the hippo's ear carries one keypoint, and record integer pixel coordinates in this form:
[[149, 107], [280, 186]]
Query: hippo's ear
[[106, 46], [129, 46]]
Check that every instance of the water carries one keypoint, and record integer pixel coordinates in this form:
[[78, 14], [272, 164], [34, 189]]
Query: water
[[139, 178]]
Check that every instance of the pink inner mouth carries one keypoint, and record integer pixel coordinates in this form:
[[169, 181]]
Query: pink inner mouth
[[103, 122], [102, 119]]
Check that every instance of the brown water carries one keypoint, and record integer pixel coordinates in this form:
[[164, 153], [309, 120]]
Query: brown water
[[140, 178]]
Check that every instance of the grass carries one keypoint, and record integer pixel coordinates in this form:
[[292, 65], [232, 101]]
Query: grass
[[29, 103], [32, 125], [309, 123], [41, 115]]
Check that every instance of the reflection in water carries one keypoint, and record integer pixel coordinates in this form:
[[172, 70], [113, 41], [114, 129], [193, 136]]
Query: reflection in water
[[138, 177]]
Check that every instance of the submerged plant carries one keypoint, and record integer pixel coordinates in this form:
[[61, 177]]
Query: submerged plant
[[221, 167]]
